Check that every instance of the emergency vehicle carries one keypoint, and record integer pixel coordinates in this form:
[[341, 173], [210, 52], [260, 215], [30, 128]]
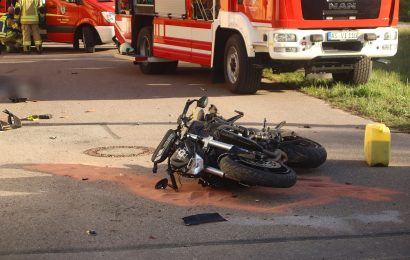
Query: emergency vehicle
[[238, 38], [69, 21]]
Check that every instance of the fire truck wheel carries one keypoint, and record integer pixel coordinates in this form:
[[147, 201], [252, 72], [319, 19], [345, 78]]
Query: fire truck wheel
[[240, 74], [76, 43], [144, 47], [359, 75], [170, 67], [88, 39]]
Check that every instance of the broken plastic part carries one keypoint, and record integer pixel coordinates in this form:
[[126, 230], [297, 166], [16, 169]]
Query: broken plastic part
[[202, 219]]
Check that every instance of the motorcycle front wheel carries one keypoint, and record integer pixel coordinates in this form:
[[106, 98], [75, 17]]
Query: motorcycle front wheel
[[257, 173], [303, 152]]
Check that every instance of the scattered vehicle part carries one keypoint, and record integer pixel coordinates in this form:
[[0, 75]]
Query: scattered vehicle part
[[203, 219], [18, 99], [13, 120], [37, 117], [91, 232]]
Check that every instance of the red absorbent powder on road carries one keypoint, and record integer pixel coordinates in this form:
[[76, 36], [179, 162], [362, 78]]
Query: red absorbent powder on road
[[308, 191]]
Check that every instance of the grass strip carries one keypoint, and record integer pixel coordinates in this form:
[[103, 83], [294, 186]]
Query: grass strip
[[385, 98]]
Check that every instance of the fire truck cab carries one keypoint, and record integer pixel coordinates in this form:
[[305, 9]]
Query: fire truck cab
[[69, 21], [239, 38]]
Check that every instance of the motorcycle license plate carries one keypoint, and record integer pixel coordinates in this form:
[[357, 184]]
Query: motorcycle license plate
[[342, 36]]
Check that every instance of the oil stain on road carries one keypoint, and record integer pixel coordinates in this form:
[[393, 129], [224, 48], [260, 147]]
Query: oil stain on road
[[309, 191]]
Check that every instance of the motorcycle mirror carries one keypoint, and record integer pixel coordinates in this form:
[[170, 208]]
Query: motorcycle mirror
[[162, 184], [202, 102]]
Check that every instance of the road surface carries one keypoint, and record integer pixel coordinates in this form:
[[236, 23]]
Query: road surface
[[88, 168]]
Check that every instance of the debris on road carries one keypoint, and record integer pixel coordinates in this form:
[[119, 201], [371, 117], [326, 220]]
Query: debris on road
[[37, 117], [18, 99], [53, 137], [203, 219], [13, 121], [91, 232]]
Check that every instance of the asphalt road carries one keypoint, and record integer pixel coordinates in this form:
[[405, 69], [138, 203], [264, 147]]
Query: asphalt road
[[52, 192]]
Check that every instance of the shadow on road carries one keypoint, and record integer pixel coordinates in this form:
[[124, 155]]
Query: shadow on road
[[63, 73]]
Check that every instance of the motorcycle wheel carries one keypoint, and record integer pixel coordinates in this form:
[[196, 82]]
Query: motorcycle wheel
[[303, 152], [257, 173]]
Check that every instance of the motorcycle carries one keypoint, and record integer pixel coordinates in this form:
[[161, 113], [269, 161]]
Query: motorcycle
[[210, 153]]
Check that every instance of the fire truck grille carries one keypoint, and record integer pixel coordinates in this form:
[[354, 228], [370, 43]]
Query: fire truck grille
[[340, 9]]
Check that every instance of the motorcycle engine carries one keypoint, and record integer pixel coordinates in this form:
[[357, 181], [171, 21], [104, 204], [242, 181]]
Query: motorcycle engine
[[185, 159], [181, 158]]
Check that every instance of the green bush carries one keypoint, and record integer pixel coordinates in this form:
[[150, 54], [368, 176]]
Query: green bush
[[405, 10]]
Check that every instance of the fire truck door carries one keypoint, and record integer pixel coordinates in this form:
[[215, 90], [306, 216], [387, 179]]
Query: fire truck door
[[3, 7], [61, 19], [187, 39], [123, 20]]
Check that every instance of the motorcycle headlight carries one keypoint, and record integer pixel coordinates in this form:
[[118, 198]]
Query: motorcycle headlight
[[108, 16]]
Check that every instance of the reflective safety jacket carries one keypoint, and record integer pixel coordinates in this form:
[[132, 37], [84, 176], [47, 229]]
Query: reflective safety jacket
[[8, 27], [29, 11]]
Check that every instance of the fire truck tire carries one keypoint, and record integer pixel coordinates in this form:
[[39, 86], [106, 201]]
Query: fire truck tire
[[76, 43], [170, 67], [144, 47], [240, 73], [360, 74], [88, 39]]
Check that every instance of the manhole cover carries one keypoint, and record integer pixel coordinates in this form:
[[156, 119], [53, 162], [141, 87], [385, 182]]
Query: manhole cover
[[119, 151]]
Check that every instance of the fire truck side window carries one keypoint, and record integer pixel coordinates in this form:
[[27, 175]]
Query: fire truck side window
[[145, 2], [125, 6], [202, 9]]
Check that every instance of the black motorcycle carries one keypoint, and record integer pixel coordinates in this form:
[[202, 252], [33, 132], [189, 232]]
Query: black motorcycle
[[211, 153]]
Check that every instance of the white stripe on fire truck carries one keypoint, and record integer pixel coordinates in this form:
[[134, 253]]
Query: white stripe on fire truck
[[188, 33], [173, 47]]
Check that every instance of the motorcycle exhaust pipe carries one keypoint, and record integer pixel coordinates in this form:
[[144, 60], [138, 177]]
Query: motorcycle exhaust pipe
[[215, 172]]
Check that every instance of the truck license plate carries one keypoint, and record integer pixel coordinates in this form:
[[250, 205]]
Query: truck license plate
[[342, 36]]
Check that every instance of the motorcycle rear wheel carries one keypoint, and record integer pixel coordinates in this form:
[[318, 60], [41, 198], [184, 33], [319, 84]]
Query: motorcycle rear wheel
[[262, 173], [303, 152]]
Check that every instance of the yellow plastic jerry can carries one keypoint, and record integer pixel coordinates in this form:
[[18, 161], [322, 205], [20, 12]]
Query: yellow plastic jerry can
[[377, 141]]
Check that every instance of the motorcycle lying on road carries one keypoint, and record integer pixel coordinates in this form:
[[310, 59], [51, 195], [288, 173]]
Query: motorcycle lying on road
[[192, 152]]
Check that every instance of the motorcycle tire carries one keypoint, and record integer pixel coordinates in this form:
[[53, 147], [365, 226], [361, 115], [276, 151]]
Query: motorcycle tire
[[253, 173], [303, 152], [164, 148]]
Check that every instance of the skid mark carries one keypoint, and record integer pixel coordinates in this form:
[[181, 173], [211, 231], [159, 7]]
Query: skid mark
[[309, 191]]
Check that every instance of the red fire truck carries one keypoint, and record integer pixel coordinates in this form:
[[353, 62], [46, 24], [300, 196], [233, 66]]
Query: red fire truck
[[69, 21], [238, 38]]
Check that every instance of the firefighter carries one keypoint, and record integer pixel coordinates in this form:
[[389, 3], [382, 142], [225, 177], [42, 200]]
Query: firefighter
[[10, 34], [29, 19]]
